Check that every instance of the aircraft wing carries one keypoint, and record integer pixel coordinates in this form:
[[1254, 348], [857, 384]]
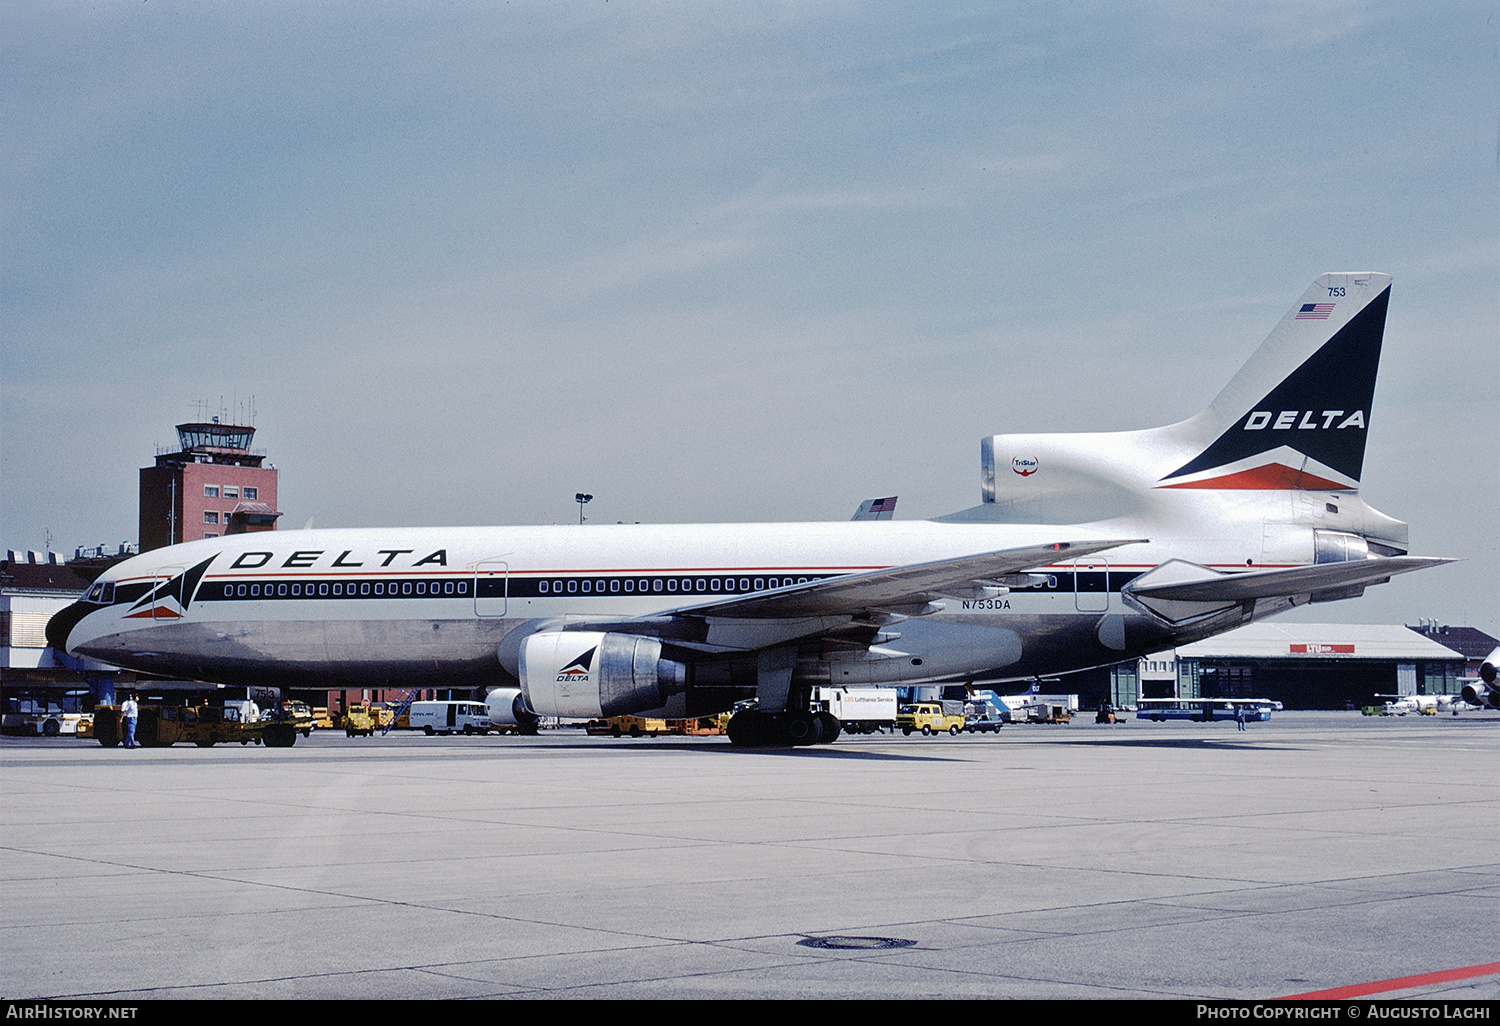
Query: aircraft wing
[[900, 589], [851, 607]]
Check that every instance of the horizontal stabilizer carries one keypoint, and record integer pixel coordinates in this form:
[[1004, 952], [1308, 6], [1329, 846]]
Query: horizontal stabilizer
[[1178, 591]]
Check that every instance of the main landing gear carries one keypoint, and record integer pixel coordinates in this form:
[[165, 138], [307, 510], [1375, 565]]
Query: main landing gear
[[751, 728]]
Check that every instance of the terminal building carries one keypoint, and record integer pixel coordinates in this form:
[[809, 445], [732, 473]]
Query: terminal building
[[39, 693]]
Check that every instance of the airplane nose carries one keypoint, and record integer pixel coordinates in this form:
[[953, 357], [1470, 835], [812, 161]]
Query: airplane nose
[[61, 624]]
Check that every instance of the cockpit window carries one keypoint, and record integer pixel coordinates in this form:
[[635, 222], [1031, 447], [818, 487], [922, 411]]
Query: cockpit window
[[95, 592]]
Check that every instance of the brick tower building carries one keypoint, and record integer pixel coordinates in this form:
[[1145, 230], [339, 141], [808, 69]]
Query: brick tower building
[[213, 485]]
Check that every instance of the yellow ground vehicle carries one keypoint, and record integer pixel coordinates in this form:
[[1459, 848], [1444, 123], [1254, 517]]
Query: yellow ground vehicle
[[322, 719], [635, 726], [365, 720], [929, 718], [299, 716], [203, 725], [639, 726]]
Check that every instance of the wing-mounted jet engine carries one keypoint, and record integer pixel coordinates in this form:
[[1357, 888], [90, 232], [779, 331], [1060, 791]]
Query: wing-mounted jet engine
[[507, 708], [591, 674]]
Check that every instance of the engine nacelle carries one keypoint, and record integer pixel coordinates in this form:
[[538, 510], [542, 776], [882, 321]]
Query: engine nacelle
[[1487, 693], [590, 674], [1481, 696], [508, 709]]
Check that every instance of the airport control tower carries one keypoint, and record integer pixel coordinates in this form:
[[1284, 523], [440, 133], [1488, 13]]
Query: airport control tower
[[213, 485]]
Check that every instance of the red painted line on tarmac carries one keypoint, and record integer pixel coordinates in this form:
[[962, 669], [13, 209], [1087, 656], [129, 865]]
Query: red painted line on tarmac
[[1401, 983]]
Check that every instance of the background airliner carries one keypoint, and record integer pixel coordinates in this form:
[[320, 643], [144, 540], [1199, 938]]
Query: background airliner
[[1484, 691], [1085, 550]]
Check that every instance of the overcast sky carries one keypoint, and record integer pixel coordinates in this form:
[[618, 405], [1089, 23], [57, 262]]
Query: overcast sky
[[719, 262]]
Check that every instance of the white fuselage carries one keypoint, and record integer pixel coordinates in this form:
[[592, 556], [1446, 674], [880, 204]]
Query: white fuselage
[[378, 607]]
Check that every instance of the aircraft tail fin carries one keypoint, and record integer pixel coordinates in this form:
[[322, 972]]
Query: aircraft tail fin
[[876, 509], [1297, 413]]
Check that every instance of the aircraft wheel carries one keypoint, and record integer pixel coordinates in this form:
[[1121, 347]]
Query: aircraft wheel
[[744, 729], [750, 728], [831, 725], [803, 729]]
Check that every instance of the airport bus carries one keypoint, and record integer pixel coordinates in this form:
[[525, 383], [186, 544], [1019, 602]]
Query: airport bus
[[1203, 709], [44, 715]]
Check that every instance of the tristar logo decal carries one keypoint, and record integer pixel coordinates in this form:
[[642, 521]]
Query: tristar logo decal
[[1024, 465], [1318, 414], [169, 599], [578, 669]]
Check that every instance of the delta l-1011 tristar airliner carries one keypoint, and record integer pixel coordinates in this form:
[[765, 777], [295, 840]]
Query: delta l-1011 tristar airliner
[[1086, 550]]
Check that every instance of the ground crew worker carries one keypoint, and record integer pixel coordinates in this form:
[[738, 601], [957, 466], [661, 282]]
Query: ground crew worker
[[130, 713]]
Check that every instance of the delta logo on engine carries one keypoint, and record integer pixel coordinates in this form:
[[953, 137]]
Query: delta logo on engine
[[578, 669]]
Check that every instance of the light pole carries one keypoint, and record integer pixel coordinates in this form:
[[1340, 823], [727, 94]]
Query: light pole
[[581, 498]]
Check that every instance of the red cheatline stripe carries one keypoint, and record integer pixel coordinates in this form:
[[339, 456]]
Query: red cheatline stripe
[[1402, 983]]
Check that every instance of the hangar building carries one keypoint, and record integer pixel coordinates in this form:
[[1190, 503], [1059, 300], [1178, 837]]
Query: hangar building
[[1301, 665]]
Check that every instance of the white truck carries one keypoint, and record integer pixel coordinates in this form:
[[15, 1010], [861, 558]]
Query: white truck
[[859, 710], [449, 717]]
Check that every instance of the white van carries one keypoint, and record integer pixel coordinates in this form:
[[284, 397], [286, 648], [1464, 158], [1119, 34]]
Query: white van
[[449, 717]]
